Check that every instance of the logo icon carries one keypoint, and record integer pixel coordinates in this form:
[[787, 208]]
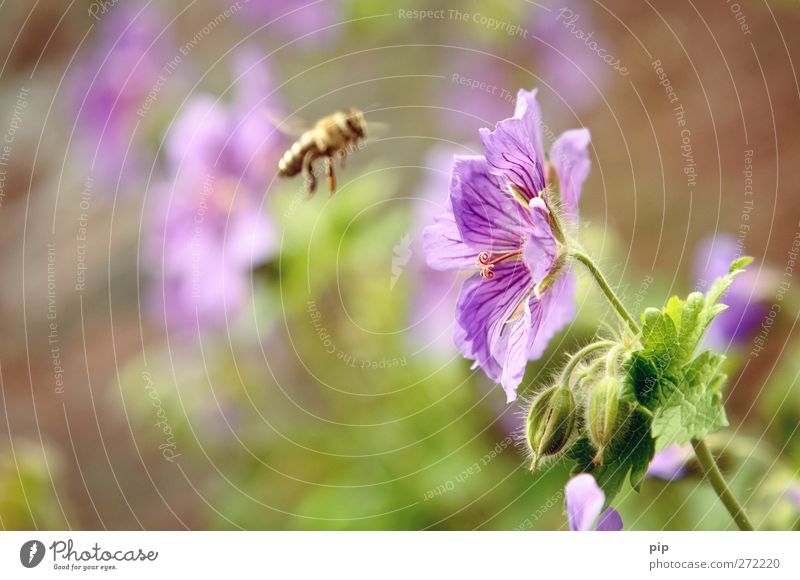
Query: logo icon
[[402, 254], [31, 553]]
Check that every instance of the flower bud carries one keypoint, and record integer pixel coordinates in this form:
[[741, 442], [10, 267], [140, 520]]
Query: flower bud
[[551, 420], [603, 412]]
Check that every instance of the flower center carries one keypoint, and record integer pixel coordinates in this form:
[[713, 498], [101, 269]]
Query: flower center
[[487, 261]]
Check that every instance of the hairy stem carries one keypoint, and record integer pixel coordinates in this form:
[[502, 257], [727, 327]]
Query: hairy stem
[[606, 288], [720, 486], [580, 355]]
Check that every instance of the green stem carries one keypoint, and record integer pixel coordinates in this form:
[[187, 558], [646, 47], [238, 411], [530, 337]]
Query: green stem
[[606, 288], [720, 486], [581, 354]]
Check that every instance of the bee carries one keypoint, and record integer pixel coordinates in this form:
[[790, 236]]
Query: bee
[[330, 137]]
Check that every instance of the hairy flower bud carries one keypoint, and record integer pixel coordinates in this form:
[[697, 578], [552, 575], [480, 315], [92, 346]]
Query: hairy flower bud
[[551, 420], [603, 412]]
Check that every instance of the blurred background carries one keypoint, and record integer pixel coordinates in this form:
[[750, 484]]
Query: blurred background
[[188, 342]]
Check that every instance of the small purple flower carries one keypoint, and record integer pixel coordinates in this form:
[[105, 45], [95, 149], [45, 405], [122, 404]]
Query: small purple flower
[[576, 74], [499, 220], [210, 228], [110, 86], [312, 21], [746, 298], [585, 501], [670, 463]]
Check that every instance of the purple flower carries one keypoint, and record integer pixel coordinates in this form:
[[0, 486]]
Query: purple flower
[[210, 229], [746, 298], [292, 20], [499, 220], [111, 85], [670, 463], [564, 36], [585, 502], [792, 493]]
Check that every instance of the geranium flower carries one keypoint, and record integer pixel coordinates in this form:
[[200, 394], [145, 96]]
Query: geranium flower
[[585, 501], [501, 220]]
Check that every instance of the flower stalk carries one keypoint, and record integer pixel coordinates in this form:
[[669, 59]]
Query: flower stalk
[[720, 486], [606, 288]]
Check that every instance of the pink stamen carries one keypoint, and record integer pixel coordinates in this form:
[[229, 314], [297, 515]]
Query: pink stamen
[[486, 262]]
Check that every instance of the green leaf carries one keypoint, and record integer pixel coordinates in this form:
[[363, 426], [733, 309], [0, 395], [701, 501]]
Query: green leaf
[[627, 455], [693, 407], [681, 390]]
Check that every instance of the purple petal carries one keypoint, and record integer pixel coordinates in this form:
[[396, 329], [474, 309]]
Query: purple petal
[[541, 247], [488, 217], [483, 309], [557, 309], [610, 521], [584, 500], [570, 158], [514, 148], [670, 463], [511, 351], [444, 249]]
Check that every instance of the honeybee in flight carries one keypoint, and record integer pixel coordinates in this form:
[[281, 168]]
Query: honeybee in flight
[[330, 137]]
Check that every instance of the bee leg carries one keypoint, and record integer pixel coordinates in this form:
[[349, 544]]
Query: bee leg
[[330, 174], [308, 172]]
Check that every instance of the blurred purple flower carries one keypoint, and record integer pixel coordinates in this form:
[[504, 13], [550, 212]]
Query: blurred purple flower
[[210, 228], [746, 298], [670, 463], [574, 72], [793, 495], [111, 85], [295, 19], [585, 501], [498, 220], [476, 91]]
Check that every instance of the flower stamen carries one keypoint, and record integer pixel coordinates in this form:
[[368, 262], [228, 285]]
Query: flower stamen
[[486, 262]]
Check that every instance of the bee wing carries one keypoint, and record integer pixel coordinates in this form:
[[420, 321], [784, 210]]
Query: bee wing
[[377, 129], [292, 127]]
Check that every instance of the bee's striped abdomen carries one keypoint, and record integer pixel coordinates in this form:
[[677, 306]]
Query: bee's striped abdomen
[[292, 161]]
